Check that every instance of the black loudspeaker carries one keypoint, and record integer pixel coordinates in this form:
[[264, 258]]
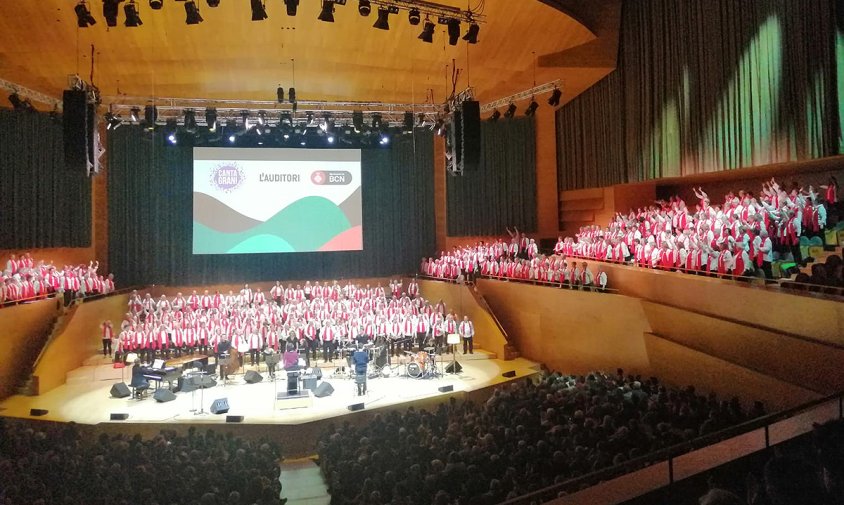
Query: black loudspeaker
[[509, 374], [355, 407], [470, 137], [324, 389], [164, 395], [220, 406], [38, 412], [118, 417], [454, 142], [234, 419], [446, 389], [454, 367], [253, 377], [75, 126], [120, 390]]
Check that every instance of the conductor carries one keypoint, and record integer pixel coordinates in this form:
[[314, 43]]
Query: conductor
[[360, 358]]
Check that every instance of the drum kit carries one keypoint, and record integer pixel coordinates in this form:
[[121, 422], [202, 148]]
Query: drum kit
[[419, 365]]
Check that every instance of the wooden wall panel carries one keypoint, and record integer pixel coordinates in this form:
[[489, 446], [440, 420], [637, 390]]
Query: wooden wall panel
[[810, 317], [807, 364], [571, 331], [79, 341], [21, 339], [679, 365], [458, 298]]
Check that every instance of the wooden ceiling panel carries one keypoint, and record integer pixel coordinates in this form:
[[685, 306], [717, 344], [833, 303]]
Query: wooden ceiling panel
[[230, 57]]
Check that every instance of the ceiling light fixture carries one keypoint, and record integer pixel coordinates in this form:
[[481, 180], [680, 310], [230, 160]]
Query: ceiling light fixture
[[259, 10], [383, 21], [192, 16], [472, 34], [133, 19], [213, 3], [414, 16], [554, 99], [134, 114], [531, 108], [495, 115], [364, 7], [327, 12], [453, 31], [110, 10], [427, 34], [511, 111], [84, 19], [156, 4], [292, 6], [211, 119]]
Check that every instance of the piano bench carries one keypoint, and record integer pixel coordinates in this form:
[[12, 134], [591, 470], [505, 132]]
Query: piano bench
[[139, 394]]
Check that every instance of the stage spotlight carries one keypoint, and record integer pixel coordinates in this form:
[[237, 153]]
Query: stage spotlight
[[327, 12], [376, 121], [291, 95], [245, 116], [427, 34], [170, 131], [531, 108], [286, 118], [232, 139], [554, 99], [383, 21], [133, 19], [259, 10], [262, 118], [495, 115], [413, 16], [211, 119], [156, 4], [453, 31], [511, 111], [20, 104], [292, 5], [150, 116], [134, 113], [84, 19], [357, 121], [408, 122], [310, 117], [110, 9], [192, 16], [472, 35], [330, 139], [279, 93], [190, 120], [113, 122], [213, 3], [439, 127], [385, 139], [364, 7]]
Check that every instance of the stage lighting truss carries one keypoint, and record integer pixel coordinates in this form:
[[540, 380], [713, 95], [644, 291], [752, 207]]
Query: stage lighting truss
[[334, 123], [26, 94], [552, 87]]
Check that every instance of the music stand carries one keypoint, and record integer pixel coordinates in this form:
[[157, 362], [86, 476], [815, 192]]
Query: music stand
[[453, 339], [130, 358]]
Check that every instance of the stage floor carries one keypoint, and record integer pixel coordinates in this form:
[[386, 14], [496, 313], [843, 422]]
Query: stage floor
[[85, 398]]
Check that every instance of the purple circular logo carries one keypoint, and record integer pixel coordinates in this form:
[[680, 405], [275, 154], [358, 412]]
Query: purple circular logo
[[227, 177]]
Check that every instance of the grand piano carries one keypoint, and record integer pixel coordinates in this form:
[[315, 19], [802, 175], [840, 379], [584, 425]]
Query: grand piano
[[171, 371]]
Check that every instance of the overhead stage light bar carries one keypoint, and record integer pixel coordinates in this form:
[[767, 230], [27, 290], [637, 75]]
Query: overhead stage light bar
[[32, 95], [523, 95]]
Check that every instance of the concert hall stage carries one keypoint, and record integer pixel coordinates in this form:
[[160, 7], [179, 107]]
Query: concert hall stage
[[85, 398]]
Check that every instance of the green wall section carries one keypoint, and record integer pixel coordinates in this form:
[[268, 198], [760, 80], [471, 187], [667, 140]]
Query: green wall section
[[709, 85]]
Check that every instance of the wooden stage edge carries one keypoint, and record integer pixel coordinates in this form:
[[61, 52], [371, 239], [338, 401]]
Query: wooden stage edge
[[296, 425]]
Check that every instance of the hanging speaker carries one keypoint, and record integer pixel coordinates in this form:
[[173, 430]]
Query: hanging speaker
[[75, 127], [470, 123]]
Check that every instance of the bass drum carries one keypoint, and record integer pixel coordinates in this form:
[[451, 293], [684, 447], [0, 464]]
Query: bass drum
[[414, 370]]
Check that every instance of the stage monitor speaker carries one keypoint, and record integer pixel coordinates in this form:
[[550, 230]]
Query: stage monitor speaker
[[75, 125], [163, 395], [38, 412], [355, 407], [446, 389], [323, 390], [509, 374], [120, 390], [234, 419], [470, 137], [118, 417], [253, 377], [454, 367], [220, 406]]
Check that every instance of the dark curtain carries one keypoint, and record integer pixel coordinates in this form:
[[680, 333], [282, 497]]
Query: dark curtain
[[708, 85], [43, 203], [150, 218], [502, 192]]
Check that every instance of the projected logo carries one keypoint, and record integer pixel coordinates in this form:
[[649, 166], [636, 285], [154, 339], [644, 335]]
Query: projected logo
[[227, 177], [331, 178]]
